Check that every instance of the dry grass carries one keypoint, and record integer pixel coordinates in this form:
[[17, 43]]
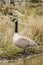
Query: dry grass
[[34, 28], [30, 25]]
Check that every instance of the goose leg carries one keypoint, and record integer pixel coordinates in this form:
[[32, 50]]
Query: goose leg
[[26, 52]]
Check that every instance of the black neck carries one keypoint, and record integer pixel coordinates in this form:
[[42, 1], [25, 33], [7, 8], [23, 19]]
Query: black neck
[[16, 26]]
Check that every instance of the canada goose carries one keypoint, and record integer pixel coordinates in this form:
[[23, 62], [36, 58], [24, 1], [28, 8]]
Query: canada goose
[[21, 41]]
